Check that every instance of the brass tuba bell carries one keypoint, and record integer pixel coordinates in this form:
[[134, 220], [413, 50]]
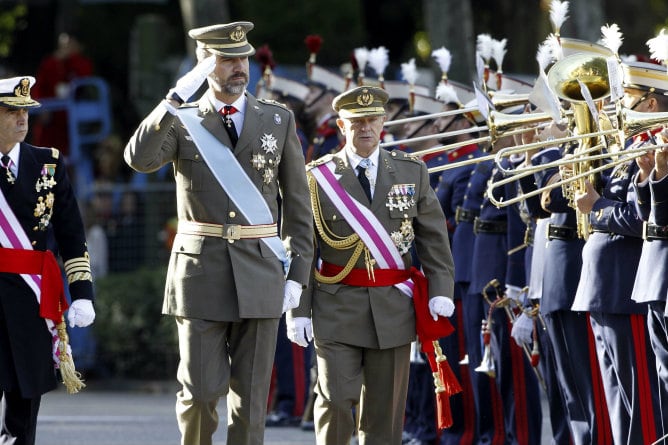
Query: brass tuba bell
[[565, 78]]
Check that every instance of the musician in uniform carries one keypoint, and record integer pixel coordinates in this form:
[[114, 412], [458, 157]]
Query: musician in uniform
[[370, 206], [233, 155], [37, 206], [323, 86], [609, 259], [651, 282]]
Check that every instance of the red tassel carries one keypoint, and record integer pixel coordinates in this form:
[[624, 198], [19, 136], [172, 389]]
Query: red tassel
[[447, 375], [443, 412], [535, 353]]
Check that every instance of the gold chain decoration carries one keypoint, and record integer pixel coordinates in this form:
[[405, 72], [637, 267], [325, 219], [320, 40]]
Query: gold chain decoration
[[329, 237]]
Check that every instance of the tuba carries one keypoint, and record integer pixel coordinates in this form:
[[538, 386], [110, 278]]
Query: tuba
[[564, 78]]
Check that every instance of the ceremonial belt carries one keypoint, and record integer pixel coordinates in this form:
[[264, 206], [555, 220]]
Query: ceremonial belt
[[485, 226], [652, 231], [360, 276], [230, 232], [462, 214], [35, 262], [233, 179], [561, 232]]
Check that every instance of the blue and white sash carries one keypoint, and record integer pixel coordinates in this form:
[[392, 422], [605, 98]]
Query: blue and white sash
[[234, 180]]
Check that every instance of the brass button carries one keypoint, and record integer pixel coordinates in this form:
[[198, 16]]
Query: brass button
[[233, 214]]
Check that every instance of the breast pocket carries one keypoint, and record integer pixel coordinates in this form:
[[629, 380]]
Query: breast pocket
[[334, 220], [191, 168]]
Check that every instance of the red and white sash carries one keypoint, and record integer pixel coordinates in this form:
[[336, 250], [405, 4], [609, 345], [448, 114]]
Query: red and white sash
[[12, 236], [362, 220]]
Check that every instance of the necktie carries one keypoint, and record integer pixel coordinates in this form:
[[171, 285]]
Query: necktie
[[362, 170], [227, 111], [6, 162]]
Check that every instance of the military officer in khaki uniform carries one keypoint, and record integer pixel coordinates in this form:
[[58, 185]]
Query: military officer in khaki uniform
[[230, 276], [370, 206]]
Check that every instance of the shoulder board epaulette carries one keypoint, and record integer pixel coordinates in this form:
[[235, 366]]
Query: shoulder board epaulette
[[402, 155], [273, 102], [326, 158], [55, 153]]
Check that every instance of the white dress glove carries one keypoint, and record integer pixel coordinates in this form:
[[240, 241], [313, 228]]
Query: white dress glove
[[292, 295], [299, 330], [522, 330], [513, 292], [81, 313], [442, 306], [187, 85]]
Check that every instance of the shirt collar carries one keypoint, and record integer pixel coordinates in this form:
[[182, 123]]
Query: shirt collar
[[14, 153], [239, 104], [355, 159]]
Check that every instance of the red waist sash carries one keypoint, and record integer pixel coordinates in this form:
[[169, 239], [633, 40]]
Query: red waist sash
[[427, 328], [35, 262]]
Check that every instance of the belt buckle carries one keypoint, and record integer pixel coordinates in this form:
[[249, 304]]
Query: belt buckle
[[232, 232]]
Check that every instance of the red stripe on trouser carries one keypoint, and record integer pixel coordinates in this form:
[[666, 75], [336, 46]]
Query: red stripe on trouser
[[646, 411], [468, 402], [497, 412], [519, 392], [299, 378], [603, 428]]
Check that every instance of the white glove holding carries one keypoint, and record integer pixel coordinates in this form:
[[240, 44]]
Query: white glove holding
[[522, 330], [81, 313], [300, 330], [292, 295], [513, 292], [442, 306], [187, 85]]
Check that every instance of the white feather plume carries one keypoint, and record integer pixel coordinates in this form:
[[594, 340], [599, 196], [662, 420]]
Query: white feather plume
[[658, 47], [409, 71], [443, 57], [484, 46], [544, 55], [612, 37], [558, 14], [552, 42], [361, 57], [379, 59], [499, 52], [446, 93]]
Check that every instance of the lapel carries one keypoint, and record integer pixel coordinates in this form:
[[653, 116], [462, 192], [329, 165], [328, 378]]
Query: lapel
[[348, 179], [252, 123], [213, 122], [385, 178]]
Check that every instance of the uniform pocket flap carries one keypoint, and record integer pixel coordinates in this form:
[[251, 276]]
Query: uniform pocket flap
[[191, 244]]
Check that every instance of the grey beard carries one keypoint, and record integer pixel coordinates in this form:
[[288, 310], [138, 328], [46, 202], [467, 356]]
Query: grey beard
[[234, 89]]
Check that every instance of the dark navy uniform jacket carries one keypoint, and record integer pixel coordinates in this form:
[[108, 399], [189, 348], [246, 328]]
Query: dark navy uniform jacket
[[651, 282], [611, 254], [50, 213], [490, 250], [453, 183], [562, 260], [463, 237]]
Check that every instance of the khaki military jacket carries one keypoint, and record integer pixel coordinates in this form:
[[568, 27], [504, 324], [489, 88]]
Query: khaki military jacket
[[209, 277], [379, 317]]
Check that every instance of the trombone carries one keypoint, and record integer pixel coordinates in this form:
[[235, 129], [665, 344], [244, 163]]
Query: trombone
[[623, 157]]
